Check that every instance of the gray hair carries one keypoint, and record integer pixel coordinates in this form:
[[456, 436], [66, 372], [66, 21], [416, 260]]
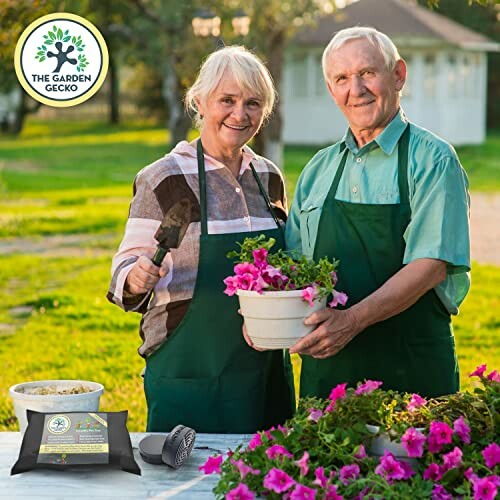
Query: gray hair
[[246, 68], [378, 39]]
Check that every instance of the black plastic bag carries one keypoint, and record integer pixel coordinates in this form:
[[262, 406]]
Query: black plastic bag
[[76, 439]]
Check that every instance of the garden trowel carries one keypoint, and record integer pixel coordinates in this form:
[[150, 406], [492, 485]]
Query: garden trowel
[[172, 229]]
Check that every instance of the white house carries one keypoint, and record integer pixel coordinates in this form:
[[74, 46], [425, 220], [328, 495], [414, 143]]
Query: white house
[[447, 68]]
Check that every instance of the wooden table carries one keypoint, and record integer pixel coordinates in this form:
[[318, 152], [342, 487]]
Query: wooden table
[[156, 482]]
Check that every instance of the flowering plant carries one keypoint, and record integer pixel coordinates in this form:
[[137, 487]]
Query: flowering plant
[[323, 452], [259, 269]]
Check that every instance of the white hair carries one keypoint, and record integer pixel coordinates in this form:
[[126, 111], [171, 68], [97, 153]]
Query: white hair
[[244, 66], [378, 39]]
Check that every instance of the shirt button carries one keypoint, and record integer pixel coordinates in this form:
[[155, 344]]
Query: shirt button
[[246, 219], [237, 190], [354, 189], [358, 160]]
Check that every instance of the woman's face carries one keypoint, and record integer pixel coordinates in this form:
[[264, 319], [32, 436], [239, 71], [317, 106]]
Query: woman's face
[[231, 115]]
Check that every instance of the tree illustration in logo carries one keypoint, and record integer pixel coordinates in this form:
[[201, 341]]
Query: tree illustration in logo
[[57, 37]]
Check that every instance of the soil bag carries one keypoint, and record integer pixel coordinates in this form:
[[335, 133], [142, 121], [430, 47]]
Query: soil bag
[[75, 440]]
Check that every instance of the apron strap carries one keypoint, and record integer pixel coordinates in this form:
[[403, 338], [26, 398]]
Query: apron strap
[[404, 141], [203, 190]]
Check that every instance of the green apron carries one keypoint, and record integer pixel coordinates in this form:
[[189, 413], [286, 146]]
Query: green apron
[[205, 376], [413, 351]]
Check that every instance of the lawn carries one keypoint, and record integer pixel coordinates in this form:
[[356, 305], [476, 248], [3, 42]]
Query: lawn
[[64, 178]]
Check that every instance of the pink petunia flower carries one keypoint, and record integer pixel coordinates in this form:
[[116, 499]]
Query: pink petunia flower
[[244, 469], [241, 492], [260, 257], [368, 386], [338, 392], [360, 452], [485, 488], [348, 473], [321, 479], [273, 276], [453, 459], [246, 268], [278, 481], [278, 451], [309, 294], [439, 493], [415, 402], [433, 472], [461, 429], [231, 283], [302, 464], [494, 376], [255, 441], [338, 298], [479, 371], [332, 494], [441, 432], [314, 414], [212, 465], [413, 442], [334, 276], [491, 455], [389, 468], [408, 470], [470, 476], [301, 492]]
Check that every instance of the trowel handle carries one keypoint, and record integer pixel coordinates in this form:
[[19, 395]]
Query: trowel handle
[[159, 256]]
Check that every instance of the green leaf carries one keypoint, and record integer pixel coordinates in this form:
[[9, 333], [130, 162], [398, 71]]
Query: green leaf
[[40, 53], [59, 34], [45, 36], [78, 69], [66, 38], [66, 32], [52, 36], [43, 47], [80, 50], [54, 29], [73, 39], [49, 42], [42, 58]]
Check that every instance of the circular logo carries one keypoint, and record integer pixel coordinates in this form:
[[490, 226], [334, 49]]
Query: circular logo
[[61, 60], [58, 424]]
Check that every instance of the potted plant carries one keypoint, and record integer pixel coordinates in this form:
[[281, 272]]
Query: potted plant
[[277, 291], [54, 396], [322, 453]]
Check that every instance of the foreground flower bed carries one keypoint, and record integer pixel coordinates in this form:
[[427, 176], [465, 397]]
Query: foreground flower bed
[[451, 448]]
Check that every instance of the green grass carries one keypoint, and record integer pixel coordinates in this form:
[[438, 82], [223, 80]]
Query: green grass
[[65, 178]]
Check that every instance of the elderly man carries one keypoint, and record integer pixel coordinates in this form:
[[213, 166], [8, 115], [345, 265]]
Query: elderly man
[[390, 201]]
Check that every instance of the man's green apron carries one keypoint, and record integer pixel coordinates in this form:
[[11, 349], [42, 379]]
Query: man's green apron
[[205, 376], [413, 351]]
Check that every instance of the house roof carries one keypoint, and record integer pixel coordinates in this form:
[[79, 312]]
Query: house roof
[[406, 22]]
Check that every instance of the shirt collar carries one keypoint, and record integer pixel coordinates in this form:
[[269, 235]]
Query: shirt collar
[[387, 140]]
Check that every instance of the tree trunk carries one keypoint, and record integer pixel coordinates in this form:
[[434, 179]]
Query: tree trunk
[[114, 89], [20, 114], [269, 141]]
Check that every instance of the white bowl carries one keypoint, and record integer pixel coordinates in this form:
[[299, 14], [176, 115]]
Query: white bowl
[[50, 403]]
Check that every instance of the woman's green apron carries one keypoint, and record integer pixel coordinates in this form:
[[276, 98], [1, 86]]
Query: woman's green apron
[[413, 351], [205, 376]]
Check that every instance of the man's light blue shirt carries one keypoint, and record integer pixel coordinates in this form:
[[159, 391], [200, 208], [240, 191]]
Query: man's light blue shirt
[[438, 190]]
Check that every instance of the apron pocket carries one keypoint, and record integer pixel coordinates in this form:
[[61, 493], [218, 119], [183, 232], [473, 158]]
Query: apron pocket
[[309, 221]]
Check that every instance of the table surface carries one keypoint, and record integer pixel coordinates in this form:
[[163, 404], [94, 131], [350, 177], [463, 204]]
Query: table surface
[[156, 481]]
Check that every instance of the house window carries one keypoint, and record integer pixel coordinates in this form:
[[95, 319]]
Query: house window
[[430, 76], [408, 88], [299, 75], [452, 75]]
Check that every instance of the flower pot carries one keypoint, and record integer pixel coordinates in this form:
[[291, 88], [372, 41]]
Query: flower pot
[[275, 320], [24, 399]]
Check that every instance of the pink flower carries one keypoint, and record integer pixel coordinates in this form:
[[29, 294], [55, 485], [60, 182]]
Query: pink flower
[[494, 376], [440, 432], [260, 257], [241, 492], [415, 402], [231, 283], [334, 276], [479, 371], [485, 488], [389, 467], [273, 276], [360, 452], [439, 493], [278, 481], [491, 455], [469, 475], [332, 494], [319, 474], [314, 414], [413, 442], [255, 441], [277, 451], [338, 392], [408, 471], [461, 429], [302, 464], [308, 294], [244, 469], [338, 298], [368, 386], [212, 465], [246, 268], [348, 473], [301, 492], [453, 459], [433, 473]]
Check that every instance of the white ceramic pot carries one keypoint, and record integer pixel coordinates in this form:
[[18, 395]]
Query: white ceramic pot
[[275, 320], [48, 403]]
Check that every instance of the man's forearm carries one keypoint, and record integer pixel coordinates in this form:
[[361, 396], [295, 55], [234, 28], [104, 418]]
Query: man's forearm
[[400, 292]]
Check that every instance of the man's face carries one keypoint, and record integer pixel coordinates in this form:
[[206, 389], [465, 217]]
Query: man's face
[[363, 88]]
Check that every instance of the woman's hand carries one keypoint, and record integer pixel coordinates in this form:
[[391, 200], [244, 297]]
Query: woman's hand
[[144, 275], [248, 340]]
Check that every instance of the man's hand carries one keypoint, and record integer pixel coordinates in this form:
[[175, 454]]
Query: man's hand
[[144, 275], [334, 330]]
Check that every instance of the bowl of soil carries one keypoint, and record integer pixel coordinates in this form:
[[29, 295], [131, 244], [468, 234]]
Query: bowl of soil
[[51, 396]]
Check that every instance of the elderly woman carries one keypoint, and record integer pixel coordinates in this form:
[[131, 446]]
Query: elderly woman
[[199, 370]]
